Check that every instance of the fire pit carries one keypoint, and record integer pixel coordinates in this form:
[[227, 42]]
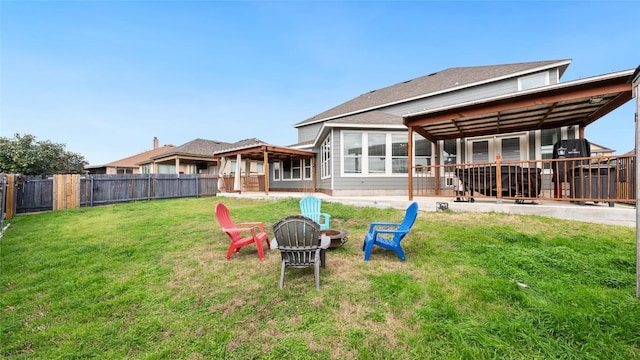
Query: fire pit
[[338, 237]]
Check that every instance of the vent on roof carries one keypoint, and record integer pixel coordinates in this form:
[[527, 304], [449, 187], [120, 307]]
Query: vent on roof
[[432, 74], [408, 81]]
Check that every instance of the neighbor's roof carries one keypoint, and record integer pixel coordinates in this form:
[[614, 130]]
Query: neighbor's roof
[[197, 147], [439, 82], [132, 161]]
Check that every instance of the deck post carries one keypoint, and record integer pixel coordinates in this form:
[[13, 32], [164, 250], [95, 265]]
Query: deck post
[[498, 180]]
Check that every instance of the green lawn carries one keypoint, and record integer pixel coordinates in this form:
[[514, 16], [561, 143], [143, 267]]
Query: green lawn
[[150, 280]]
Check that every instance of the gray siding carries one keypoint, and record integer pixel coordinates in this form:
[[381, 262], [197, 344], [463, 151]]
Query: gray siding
[[308, 132]]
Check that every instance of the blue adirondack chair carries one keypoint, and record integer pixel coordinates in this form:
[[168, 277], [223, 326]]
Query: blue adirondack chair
[[388, 235], [310, 207]]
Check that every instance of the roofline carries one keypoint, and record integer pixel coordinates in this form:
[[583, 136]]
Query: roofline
[[526, 92], [560, 63]]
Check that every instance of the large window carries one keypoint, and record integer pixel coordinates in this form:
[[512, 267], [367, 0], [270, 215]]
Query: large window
[[291, 170], [377, 149], [378, 153], [166, 169], [352, 153], [325, 158]]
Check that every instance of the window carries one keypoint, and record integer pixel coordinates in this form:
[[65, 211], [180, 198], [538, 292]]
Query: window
[[307, 169], [480, 151], [166, 169], [146, 169], [450, 151], [533, 81], [511, 149], [233, 167], [259, 167], [352, 153], [276, 171], [422, 154], [399, 154], [291, 169], [377, 153], [548, 138], [325, 158]]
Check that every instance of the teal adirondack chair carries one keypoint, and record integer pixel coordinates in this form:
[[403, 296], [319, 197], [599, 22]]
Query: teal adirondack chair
[[388, 235], [310, 207]]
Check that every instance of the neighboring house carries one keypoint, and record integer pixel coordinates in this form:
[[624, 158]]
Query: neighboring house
[[362, 147], [599, 150], [129, 165], [198, 157]]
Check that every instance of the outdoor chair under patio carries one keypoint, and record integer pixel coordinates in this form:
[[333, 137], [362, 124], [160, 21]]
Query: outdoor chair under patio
[[241, 234], [297, 237], [310, 206], [389, 235]]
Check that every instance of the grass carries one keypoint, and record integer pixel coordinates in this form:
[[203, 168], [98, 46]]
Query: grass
[[150, 280]]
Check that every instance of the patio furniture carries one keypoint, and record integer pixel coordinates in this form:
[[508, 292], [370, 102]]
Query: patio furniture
[[241, 234], [310, 207], [389, 235], [297, 237]]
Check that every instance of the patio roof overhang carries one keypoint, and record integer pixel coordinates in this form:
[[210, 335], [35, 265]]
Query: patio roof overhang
[[579, 102], [259, 152]]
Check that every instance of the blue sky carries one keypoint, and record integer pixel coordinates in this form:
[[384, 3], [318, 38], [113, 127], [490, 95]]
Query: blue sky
[[105, 77]]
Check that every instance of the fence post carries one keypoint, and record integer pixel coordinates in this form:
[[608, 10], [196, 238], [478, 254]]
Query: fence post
[[11, 196], [91, 190]]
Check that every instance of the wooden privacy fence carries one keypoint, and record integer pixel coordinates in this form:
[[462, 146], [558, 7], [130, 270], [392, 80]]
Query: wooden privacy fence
[[42, 193]]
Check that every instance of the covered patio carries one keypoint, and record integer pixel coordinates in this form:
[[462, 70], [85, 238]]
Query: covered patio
[[577, 103], [261, 153]]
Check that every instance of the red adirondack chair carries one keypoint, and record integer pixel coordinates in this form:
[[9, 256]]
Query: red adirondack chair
[[241, 234]]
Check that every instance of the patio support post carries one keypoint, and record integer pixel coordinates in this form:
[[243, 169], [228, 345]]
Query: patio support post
[[266, 171], [635, 89], [410, 167], [436, 168], [498, 179]]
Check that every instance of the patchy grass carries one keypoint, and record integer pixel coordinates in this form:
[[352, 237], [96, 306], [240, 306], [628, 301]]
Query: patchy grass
[[150, 280]]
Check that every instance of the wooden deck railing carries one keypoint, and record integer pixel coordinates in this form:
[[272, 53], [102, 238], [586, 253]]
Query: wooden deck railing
[[607, 179]]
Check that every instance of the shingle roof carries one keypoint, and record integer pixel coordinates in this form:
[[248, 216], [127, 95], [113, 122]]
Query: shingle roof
[[131, 161], [200, 147], [428, 85]]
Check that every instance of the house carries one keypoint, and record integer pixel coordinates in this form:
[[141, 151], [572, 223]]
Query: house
[[371, 143], [129, 165], [198, 156]]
